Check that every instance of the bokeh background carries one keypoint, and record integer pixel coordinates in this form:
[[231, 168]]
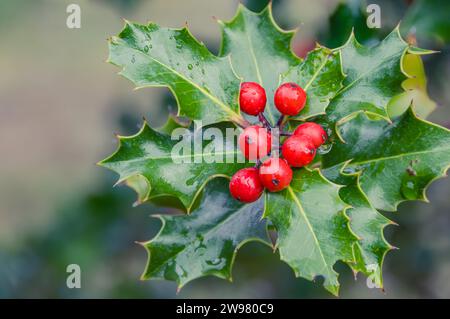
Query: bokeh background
[[60, 103]]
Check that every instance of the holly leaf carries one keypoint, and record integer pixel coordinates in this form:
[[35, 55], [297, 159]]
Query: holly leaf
[[366, 222], [156, 164], [313, 230], [206, 242], [205, 86], [320, 75], [173, 122], [396, 161], [415, 87], [373, 77], [260, 50]]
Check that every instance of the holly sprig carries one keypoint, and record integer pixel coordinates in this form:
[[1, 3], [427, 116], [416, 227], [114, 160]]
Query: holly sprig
[[329, 212]]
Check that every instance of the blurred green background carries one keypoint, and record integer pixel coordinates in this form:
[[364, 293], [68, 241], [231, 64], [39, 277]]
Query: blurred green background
[[60, 103]]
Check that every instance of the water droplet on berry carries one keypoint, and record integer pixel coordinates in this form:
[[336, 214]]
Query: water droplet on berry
[[146, 49], [133, 59], [190, 66]]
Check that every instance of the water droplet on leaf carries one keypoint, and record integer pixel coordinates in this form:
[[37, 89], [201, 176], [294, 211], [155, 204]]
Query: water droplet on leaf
[[216, 262], [324, 148], [350, 169], [410, 188]]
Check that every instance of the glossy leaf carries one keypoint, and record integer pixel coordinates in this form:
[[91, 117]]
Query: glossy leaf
[[320, 75], [152, 164], [205, 242], [397, 161], [373, 77], [366, 222], [205, 86], [313, 231], [260, 50]]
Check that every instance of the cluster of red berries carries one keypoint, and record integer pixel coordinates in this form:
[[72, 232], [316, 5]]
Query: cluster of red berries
[[255, 142]]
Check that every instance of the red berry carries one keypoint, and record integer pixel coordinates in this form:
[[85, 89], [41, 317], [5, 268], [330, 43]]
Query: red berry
[[275, 174], [252, 98], [290, 99], [298, 150], [314, 131], [245, 185], [255, 142]]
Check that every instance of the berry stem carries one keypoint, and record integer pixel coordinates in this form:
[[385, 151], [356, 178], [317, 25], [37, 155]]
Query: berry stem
[[264, 121], [280, 122]]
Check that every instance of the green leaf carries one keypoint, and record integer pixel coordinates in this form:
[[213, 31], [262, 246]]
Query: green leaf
[[313, 231], [205, 86], [428, 18], [260, 50], [150, 163], [415, 87], [373, 77], [396, 161], [320, 75], [349, 15], [172, 123], [366, 222], [205, 242]]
